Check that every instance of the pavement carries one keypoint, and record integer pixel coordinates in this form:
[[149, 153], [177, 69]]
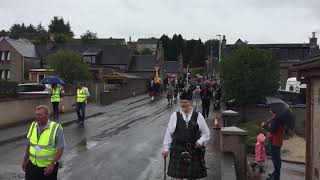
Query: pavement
[[18, 132], [122, 141]]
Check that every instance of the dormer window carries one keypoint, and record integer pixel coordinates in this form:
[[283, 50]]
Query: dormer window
[[90, 56], [89, 59]]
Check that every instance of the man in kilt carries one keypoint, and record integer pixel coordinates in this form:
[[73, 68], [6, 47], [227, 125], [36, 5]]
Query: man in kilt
[[185, 140]]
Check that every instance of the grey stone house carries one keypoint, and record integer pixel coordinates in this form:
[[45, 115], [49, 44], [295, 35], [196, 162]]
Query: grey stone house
[[16, 58], [286, 54], [149, 43]]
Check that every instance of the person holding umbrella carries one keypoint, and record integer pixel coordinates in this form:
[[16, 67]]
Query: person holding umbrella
[[282, 118], [56, 93], [82, 99], [186, 137]]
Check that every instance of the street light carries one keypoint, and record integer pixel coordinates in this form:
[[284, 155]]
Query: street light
[[219, 35]]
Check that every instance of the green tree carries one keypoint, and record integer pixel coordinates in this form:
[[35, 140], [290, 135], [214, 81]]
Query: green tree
[[69, 65], [194, 53], [4, 33], [30, 32], [16, 31], [248, 74], [89, 36], [60, 29], [165, 40], [42, 34]]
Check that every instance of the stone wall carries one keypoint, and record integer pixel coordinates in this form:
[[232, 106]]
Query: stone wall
[[19, 110], [262, 113], [139, 86]]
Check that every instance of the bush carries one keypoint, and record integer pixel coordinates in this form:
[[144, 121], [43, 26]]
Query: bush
[[253, 128], [8, 89]]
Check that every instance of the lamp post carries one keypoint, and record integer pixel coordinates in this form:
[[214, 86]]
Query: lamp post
[[219, 35]]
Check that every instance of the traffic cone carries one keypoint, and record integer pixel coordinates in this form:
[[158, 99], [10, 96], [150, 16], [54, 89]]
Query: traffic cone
[[216, 124]]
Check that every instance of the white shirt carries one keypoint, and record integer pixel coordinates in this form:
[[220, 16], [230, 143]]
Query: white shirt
[[203, 127]]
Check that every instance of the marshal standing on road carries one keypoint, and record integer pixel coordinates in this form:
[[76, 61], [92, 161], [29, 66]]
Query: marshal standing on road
[[45, 147], [186, 137]]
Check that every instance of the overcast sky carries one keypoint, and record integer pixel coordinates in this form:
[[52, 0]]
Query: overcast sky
[[257, 21]]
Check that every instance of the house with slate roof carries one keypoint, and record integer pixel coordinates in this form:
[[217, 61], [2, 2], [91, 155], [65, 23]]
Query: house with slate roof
[[286, 54], [147, 43], [16, 58], [144, 66], [101, 56]]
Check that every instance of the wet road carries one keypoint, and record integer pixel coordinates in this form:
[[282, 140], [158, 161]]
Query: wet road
[[123, 143]]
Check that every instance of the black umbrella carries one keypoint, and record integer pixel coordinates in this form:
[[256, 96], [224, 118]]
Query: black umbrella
[[283, 112]]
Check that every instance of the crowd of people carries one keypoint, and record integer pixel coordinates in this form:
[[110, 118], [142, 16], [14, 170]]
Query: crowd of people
[[205, 91]]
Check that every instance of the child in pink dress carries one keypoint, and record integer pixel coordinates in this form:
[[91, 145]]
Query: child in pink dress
[[261, 156]]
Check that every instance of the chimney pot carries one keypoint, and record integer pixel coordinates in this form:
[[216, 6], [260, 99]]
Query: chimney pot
[[313, 34]]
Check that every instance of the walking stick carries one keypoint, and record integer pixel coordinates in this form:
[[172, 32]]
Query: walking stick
[[165, 169]]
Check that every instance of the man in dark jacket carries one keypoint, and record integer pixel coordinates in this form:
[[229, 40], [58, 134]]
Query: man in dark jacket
[[206, 95]]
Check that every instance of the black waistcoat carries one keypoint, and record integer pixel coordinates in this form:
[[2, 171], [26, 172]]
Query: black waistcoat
[[186, 134]]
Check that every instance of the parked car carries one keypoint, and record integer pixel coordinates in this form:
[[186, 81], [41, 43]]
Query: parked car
[[32, 88]]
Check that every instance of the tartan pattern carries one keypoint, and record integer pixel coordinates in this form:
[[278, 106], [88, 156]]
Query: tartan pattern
[[179, 168]]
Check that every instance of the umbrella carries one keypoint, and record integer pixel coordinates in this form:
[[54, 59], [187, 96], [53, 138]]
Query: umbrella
[[283, 111], [52, 80]]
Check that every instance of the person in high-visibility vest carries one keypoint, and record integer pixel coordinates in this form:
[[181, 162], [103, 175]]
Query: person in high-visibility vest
[[82, 99], [44, 148], [56, 92]]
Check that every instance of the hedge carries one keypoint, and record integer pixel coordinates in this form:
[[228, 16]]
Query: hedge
[[8, 89]]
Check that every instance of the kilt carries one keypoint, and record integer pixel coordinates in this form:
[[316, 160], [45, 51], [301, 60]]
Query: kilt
[[179, 168]]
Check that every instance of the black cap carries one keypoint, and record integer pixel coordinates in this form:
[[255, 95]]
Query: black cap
[[186, 96]]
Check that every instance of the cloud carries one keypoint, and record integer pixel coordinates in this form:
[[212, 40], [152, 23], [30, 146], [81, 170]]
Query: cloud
[[257, 21]]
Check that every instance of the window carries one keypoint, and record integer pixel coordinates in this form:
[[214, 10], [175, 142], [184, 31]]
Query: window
[[8, 55], [86, 59], [2, 53], [291, 88], [8, 74], [89, 59], [3, 74]]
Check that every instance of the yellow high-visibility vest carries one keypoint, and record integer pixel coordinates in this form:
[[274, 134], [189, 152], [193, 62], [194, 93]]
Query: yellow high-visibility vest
[[81, 95], [56, 95], [42, 151]]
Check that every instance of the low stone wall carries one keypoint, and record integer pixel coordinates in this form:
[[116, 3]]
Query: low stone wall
[[137, 86], [262, 113], [19, 110]]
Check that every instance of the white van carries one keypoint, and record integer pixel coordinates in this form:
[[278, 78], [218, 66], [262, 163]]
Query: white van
[[293, 85], [32, 89]]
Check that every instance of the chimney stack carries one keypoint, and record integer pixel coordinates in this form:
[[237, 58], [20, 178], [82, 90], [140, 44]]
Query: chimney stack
[[313, 40], [224, 42]]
